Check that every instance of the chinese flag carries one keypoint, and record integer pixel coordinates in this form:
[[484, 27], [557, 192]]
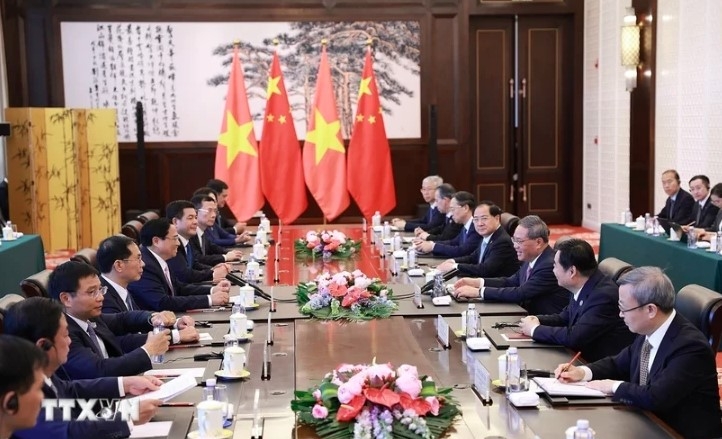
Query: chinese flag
[[324, 156], [373, 189], [281, 171], [237, 151]]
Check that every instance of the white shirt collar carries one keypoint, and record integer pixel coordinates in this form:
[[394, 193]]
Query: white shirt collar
[[184, 242], [656, 337], [82, 323], [163, 264], [467, 224], [122, 292], [576, 295], [449, 214], [703, 202], [531, 264], [200, 233], [488, 238], [433, 204]]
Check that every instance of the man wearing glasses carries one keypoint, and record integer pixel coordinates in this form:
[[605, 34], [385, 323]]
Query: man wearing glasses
[[205, 241], [103, 345], [534, 286], [668, 370], [466, 241], [433, 217]]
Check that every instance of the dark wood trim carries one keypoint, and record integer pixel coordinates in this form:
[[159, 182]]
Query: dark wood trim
[[642, 114]]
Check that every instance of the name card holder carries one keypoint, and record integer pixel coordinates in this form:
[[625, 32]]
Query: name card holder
[[442, 332], [417, 297], [482, 383]]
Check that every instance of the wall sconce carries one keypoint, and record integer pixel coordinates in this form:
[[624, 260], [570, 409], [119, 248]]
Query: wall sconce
[[630, 48]]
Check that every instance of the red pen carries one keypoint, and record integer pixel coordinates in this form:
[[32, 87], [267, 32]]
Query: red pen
[[177, 404], [566, 368]]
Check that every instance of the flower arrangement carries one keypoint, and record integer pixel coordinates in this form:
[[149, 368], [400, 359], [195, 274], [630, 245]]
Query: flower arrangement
[[327, 245], [344, 295], [376, 401]]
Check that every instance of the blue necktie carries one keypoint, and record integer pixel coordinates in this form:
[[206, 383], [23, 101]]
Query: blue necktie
[[464, 232], [483, 249], [94, 338], [189, 255]]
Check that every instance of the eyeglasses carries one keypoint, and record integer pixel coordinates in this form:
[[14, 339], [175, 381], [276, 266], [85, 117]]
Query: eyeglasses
[[479, 219], [213, 210], [521, 241], [173, 238], [624, 311], [133, 259], [97, 293]]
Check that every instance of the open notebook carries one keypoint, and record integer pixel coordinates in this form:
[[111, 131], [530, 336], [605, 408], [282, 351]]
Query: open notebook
[[553, 387]]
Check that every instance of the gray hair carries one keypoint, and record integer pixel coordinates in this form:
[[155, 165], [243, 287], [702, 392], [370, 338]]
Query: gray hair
[[434, 180], [650, 285], [536, 228]]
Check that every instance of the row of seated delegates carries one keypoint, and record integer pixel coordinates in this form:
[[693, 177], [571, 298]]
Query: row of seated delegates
[[590, 323], [42, 322], [102, 344], [462, 207], [449, 228], [696, 207], [182, 214], [533, 286], [238, 236], [157, 289], [205, 250], [120, 264], [715, 197], [222, 190], [669, 369], [433, 216], [495, 256], [21, 384]]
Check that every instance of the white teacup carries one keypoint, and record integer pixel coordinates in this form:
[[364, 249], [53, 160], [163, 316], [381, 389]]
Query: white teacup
[[234, 360], [259, 250], [210, 419], [253, 270], [239, 325], [247, 296], [261, 235]]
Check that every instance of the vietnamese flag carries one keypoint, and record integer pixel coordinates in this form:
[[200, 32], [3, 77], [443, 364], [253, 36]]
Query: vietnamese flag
[[324, 156], [280, 156], [373, 189], [237, 150]]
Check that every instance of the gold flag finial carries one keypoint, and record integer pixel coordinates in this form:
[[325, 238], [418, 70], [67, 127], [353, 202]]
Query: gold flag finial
[[324, 42]]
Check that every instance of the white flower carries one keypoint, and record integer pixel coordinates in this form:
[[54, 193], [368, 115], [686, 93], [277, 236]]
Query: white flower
[[340, 279], [339, 236], [362, 282], [358, 273]]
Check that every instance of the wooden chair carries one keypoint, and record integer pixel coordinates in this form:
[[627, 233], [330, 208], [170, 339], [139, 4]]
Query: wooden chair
[[86, 255], [509, 221], [702, 307], [147, 216], [614, 267], [131, 229], [36, 285]]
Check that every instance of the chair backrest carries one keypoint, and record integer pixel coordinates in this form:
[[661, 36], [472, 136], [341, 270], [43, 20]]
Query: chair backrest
[[147, 216], [509, 221], [702, 307], [9, 299], [36, 285], [131, 229], [614, 267], [86, 255]]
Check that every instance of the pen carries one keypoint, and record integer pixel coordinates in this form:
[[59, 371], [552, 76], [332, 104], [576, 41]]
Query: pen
[[177, 404], [566, 368], [181, 346]]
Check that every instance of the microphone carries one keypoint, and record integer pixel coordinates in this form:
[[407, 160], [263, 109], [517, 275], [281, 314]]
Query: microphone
[[428, 286], [235, 280]]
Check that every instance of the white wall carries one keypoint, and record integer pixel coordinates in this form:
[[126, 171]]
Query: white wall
[[3, 100], [606, 115], [689, 91]]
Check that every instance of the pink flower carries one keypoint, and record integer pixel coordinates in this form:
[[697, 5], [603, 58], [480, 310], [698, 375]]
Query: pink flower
[[434, 403], [319, 412], [348, 390], [317, 394], [381, 371], [407, 369], [409, 384], [357, 273]]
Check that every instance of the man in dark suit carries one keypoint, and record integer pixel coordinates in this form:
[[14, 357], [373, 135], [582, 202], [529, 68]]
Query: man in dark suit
[[103, 344], [41, 321], [534, 286], [669, 369], [679, 204], [205, 249], [466, 241], [590, 323], [704, 212], [120, 262], [157, 289], [715, 197], [21, 384], [495, 256], [449, 228], [433, 217]]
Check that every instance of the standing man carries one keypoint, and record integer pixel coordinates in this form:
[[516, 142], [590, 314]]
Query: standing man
[[669, 369], [433, 217], [495, 256], [679, 204], [534, 286], [590, 323]]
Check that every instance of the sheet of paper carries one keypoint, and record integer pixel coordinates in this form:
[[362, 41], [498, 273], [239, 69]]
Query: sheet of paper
[[553, 387], [197, 372], [172, 388], [204, 336], [151, 429], [515, 336]]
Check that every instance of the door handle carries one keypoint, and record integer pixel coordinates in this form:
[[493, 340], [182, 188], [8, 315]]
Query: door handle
[[522, 93], [522, 190], [511, 193], [511, 88]]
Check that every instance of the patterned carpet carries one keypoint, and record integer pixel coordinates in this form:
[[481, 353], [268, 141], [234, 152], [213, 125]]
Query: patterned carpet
[[590, 236]]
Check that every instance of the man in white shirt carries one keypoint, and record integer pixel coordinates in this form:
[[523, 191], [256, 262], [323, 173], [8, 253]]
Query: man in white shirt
[[669, 370]]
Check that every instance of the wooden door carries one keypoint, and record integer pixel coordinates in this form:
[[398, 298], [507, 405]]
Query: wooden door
[[522, 121]]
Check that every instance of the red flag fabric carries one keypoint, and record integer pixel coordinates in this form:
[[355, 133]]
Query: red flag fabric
[[280, 156], [237, 150], [324, 156], [373, 189]]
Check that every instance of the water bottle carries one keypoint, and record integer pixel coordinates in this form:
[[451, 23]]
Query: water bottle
[[655, 226], [8, 234], [266, 223], [397, 241], [691, 238], [719, 242], [376, 219], [157, 329], [472, 320], [412, 257], [209, 390], [387, 230], [439, 289], [580, 431], [647, 222], [513, 371], [628, 218]]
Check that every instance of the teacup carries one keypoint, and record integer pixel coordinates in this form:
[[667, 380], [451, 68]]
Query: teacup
[[210, 419], [247, 296], [234, 360], [239, 325], [259, 250]]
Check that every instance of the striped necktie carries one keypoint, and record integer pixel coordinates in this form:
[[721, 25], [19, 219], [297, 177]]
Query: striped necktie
[[644, 363]]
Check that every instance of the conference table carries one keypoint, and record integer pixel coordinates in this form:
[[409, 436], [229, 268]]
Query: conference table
[[683, 265], [19, 259], [303, 350]]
